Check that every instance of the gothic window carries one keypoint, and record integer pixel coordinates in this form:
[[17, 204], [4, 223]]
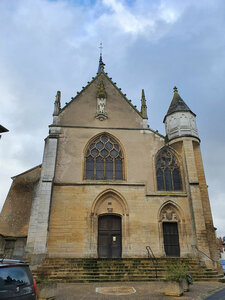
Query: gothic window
[[104, 159], [167, 171]]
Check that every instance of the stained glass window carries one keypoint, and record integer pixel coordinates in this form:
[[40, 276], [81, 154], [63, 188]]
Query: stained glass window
[[167, 171], [104, 159]]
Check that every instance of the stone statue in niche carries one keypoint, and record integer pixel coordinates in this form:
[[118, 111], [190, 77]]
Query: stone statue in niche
[[101, 113], [101, 103]]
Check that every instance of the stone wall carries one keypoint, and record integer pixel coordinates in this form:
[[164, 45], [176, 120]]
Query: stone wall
[[11, 247], [73, 226]]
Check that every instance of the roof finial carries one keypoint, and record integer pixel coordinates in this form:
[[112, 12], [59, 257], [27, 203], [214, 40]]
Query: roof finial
[[101, 63], [175, 89]]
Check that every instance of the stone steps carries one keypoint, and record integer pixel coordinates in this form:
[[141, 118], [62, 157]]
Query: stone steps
[[160, 273], [84, 271], [133, 269], [119, 274], [108, 266]]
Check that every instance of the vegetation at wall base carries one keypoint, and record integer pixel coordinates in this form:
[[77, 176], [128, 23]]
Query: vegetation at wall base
[[176, 271]]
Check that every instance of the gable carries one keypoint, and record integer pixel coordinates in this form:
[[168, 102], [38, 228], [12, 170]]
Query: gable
[[81, 111]]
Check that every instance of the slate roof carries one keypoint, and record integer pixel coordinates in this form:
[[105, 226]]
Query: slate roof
[[177, 105]]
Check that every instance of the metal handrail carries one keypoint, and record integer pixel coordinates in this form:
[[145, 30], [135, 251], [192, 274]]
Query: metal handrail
[[153, 258], [204, 254]]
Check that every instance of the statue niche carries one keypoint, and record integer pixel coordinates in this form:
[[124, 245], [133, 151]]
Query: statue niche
[[101, 113], [101, 102]]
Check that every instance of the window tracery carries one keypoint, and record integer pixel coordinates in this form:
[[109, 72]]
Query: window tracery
[[104, 159], [167, 171]]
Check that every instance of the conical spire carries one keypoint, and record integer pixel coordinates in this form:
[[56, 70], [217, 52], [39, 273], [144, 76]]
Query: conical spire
[[143, 105], [101, 63], [177, 104], [180, 120]]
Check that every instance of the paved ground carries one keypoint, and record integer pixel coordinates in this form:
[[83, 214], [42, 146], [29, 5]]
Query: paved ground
[[144, 291], [217, 296]]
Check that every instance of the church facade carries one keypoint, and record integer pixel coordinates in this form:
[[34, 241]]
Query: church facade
[[109, 185]]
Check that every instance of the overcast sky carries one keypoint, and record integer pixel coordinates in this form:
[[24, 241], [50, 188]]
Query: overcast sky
[[47, 46]]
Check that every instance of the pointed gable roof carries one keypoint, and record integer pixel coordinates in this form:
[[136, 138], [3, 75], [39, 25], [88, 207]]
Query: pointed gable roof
[[177, 104], [102, 71], [100, 74]]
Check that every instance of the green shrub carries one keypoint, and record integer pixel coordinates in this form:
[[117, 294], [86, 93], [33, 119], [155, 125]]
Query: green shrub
[[176, 271]]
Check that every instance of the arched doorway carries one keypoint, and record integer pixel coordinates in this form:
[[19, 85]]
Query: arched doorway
[[170, 229], [109, 236]]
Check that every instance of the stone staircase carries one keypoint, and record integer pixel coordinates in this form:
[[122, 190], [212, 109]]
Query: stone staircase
[[126, 269]]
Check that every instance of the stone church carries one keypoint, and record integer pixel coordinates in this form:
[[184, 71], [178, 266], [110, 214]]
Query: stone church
[[109, 185]]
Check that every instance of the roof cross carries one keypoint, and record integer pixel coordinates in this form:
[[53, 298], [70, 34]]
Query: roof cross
[[101, 49], [101, 63]]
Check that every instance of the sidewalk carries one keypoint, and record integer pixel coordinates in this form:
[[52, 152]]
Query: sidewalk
[[144, 291]]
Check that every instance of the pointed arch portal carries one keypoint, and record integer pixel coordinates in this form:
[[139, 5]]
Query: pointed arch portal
[[170, 218], [109, 219]]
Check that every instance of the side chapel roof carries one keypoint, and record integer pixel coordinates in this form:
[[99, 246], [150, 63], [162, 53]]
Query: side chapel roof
[[15, 214]]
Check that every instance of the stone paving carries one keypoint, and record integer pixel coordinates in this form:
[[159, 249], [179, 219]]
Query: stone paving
[[144, 291]]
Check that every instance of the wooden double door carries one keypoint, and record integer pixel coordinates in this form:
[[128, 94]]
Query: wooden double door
[[109, 236]]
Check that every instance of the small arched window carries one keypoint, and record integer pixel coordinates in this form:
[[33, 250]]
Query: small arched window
[[104, 159], [167, 171]]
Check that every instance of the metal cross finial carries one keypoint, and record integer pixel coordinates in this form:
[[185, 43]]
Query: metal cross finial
[[175, 89], [101, 63], [101, 49]]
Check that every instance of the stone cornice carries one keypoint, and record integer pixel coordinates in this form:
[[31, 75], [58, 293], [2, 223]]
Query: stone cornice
[[107, 128], [167, 194], [98, 183], [180, 139]]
